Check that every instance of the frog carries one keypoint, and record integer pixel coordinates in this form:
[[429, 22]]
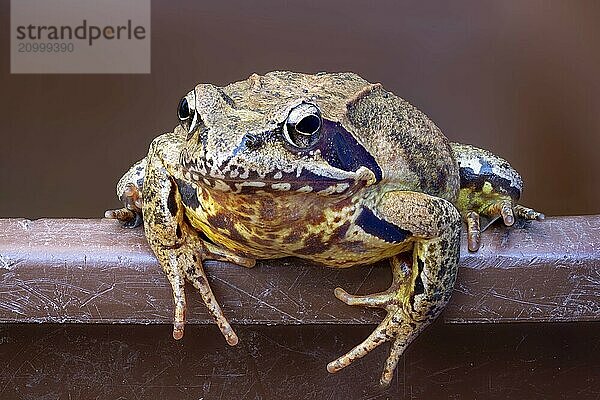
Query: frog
[[326, 167]]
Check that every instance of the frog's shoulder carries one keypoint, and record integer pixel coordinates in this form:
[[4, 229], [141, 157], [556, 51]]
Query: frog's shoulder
[[406, 143]]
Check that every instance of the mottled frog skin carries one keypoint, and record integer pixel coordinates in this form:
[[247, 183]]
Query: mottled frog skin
[[326, 167]]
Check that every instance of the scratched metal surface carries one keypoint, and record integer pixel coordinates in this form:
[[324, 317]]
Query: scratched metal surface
[[94, 271], [484, 361]]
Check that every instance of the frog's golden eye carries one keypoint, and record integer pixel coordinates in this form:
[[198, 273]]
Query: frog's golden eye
[[303, 125], [188, 117]]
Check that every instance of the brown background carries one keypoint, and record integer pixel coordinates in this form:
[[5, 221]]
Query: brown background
[[518, 78]]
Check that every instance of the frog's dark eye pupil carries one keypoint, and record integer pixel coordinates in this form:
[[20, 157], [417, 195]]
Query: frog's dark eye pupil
[[189, 119], [183, 111], [303, 125], [308, 125]]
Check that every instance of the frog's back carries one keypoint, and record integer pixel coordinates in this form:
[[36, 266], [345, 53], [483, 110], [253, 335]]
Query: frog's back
[[409, 149]]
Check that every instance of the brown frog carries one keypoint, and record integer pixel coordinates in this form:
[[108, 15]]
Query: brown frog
[[326, 167]]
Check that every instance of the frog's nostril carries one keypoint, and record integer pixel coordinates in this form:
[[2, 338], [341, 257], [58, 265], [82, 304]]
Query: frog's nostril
[[249, 142], [252, 142]]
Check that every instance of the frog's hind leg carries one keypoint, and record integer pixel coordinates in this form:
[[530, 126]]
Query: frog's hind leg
[[422, 283], [129, 191], [489, 189]]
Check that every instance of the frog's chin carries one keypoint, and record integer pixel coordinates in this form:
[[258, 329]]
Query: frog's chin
[[336, 183]]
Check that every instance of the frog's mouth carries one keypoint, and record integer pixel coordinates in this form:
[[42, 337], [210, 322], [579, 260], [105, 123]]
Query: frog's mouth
[[303, 181]]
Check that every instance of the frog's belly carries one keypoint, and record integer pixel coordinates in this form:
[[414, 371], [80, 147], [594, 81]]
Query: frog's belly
[[271, 228]]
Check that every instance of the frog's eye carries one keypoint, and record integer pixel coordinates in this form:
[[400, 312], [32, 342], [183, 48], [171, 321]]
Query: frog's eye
[[188, 117], [303, 125], [183, 110]]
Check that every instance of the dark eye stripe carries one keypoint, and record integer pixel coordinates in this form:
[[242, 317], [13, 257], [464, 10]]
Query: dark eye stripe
[[341, 150], [377, 227]]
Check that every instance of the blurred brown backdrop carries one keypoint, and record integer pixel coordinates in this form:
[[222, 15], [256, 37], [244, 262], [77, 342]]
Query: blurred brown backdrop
[[519, 78]]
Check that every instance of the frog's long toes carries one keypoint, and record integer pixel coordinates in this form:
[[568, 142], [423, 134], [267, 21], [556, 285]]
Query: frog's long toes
[[129, 219], [178, 287], [528, 213], [510, 212], [121, 214], [229, 334], [473, 231], [198, 278], [380, 300], [376, 338]]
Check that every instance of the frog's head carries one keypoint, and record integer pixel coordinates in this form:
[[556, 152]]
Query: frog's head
[[277, 133]]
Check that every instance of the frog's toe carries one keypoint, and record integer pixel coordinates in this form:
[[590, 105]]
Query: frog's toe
[[473, 231], [396, 351], [219, 253], [130, 219], [121, 214], [504, 209], [379, 300], [178, 286], [379, 336], [382, 299], [198, 278], [528, 213], [509, 211], [393, 328]]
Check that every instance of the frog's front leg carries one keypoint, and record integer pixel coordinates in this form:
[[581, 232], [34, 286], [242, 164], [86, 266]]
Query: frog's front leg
[[176, 244], [489, 189], [129, 191], [422, 282]]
